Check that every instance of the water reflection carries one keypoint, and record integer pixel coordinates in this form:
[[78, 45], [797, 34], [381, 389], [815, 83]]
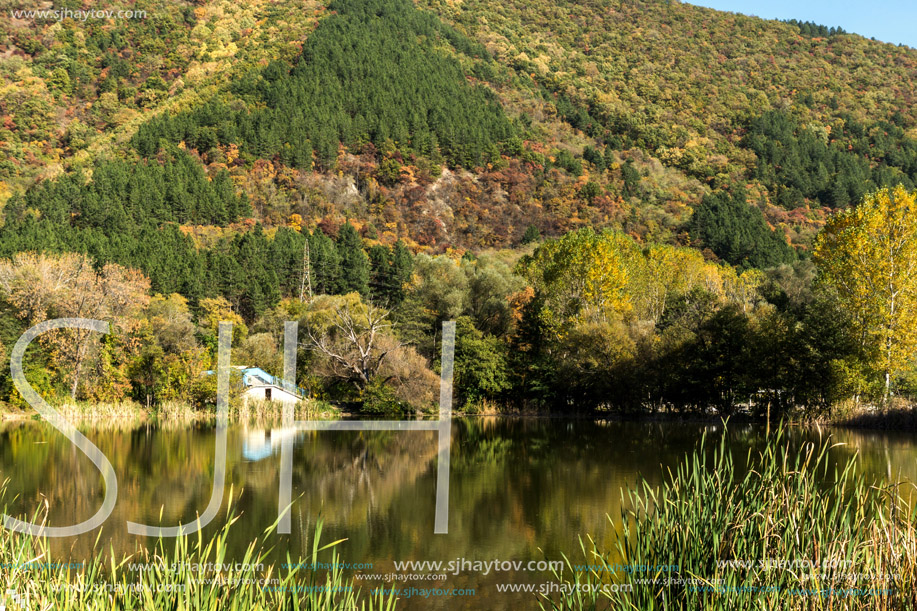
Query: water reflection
[[259, 443], [521, 489]]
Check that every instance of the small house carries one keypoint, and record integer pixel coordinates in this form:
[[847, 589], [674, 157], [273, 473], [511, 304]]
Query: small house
[[259, 385], [262, 386]]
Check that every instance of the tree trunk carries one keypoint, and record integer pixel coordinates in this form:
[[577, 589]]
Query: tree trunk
[[80, 353], [76, 378], [888, 384]]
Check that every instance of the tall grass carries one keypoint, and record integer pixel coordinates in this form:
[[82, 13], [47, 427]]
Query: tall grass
[[179, 413], [260, 412], [172, 579], [898, 415], [100, 413], [789, 532]]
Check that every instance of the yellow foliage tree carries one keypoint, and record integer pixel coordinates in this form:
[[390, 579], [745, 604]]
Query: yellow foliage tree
[[667, 270], [601, 277], [742, 289], [583, 271], [868, 255]]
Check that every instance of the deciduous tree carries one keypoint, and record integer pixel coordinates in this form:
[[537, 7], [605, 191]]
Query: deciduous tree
[[868, 255], [44, 286]]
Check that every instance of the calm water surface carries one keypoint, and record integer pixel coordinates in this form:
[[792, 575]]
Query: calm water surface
[[520, 488]]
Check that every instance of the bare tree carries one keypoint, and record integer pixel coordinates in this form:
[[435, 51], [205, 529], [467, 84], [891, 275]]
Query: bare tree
[[351, 336]]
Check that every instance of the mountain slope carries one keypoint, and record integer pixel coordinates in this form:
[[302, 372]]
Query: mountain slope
[[446, 124], [687, 84]]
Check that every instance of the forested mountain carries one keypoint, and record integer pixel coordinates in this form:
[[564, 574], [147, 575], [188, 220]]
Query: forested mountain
[[461, 124], [371, 73], [260, 151], [693, 85]]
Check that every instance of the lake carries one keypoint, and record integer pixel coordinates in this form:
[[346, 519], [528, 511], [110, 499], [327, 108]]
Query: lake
[[521, 489]]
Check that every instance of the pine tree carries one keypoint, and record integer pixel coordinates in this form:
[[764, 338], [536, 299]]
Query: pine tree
[[326, 264], [380, 265], [531, 235], [354, 262]]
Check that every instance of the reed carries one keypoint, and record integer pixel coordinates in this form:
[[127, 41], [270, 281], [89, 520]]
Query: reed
[[268, 413], [178, 412], [792, 530], [898, 415], [88, 412], [171, 577]]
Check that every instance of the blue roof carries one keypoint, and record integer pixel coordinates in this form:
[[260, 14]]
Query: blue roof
[[256, 375]]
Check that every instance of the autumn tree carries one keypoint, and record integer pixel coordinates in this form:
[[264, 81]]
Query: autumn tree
[[347, 334], [868, 256], [664, 271], [582, 272], [169, 358], [353, 343], [44, 286]]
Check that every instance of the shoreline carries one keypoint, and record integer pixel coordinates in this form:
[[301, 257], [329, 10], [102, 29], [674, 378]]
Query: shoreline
[[895, 419]]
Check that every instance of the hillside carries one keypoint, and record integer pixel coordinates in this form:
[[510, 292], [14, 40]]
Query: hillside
[[447, 125]]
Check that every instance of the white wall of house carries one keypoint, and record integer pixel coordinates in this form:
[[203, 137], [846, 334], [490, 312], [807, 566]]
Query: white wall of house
[[269, 393]]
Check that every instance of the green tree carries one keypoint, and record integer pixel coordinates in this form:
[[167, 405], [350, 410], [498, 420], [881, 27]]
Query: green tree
[[390, 271], [531, 235], [737, 232], [481, 366], [354, 262], [325, 263]]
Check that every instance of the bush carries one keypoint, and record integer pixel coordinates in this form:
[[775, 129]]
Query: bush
[[378, 398]]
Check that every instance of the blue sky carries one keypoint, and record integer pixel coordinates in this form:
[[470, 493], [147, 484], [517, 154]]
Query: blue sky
[[886, 20]]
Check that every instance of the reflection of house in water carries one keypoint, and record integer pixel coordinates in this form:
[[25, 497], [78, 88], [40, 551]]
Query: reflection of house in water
[[259, 385], [258, 444]]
